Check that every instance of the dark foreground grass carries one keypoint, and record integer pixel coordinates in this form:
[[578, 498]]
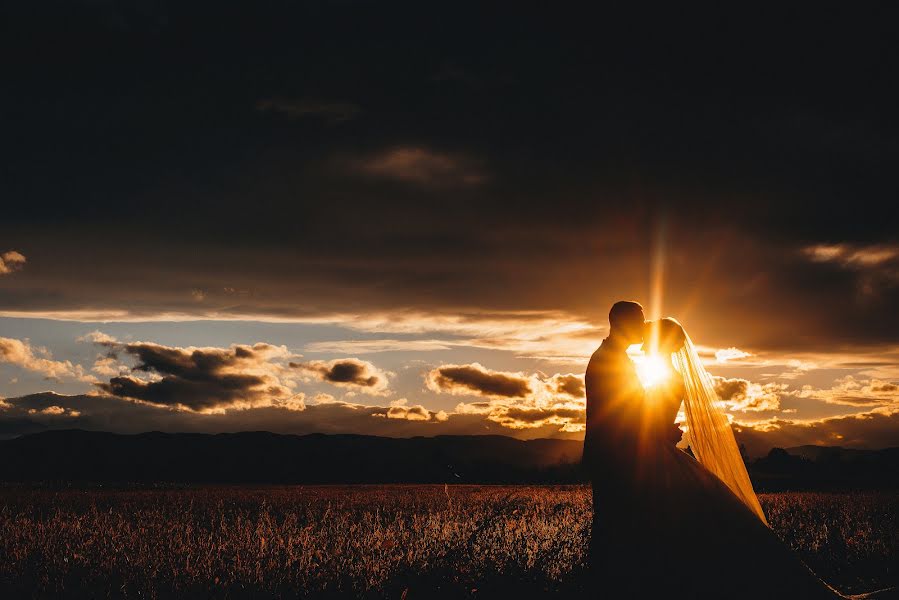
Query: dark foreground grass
[[371, 541]]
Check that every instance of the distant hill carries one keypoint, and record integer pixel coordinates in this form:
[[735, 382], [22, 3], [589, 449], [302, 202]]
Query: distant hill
[[833, 453], [262, 457], [825, 468]]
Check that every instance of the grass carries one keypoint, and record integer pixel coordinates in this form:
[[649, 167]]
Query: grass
[[371, 541]]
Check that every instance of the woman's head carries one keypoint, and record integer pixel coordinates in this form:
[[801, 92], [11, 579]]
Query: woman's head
[[671, 335]]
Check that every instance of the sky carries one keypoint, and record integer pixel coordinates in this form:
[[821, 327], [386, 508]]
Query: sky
[[412, 219]]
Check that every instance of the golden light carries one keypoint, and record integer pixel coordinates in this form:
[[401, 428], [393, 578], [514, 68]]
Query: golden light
[[652, 370]]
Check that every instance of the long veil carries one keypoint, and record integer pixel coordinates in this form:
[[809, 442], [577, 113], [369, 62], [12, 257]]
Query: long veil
[[708, 429]]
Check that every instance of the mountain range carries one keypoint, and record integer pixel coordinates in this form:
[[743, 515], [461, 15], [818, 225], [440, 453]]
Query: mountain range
[[260, 457]]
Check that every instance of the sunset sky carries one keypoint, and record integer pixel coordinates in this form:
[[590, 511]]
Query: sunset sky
[[413, 219]]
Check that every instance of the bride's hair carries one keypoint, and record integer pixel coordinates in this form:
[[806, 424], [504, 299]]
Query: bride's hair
[[672, 336]]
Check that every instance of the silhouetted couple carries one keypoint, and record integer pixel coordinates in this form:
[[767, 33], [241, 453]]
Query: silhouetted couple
[[666, 524]]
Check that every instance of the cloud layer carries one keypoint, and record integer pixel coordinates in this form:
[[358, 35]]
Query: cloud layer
[[877, 428], [499, 185], [874, 429]]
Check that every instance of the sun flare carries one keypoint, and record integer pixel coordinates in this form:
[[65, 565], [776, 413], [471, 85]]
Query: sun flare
[[651, 370]]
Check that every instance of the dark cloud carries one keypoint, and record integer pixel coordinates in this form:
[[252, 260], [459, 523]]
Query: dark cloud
[[571, 385], [885, 387], [751, 155], [475, 379], [728, 389], [202, 379], [348, 372]]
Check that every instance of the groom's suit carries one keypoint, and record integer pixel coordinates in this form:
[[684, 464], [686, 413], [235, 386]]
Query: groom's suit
[[615, 398], [614, 394]]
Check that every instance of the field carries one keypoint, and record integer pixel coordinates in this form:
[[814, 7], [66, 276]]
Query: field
[[371, 541]]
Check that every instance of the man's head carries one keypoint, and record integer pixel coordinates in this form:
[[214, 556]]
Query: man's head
[[626, 320]]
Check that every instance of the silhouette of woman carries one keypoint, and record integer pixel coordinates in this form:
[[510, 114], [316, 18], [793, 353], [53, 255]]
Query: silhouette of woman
[[665, 524]]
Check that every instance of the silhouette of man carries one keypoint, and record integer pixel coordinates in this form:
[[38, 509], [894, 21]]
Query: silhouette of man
[[614, 397], [613, 389]]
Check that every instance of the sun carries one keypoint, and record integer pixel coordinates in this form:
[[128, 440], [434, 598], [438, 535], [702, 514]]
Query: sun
[[652, 370]]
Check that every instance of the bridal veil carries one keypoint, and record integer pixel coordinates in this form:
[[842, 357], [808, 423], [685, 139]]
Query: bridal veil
[[708, 429]]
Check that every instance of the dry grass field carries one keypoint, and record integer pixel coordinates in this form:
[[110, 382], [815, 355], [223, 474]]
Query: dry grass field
[[370, 541]]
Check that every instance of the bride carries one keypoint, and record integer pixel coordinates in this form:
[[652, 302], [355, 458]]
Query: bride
[[666, 524]]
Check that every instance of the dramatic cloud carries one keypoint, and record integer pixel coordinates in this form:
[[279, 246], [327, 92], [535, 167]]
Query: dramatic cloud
[[523, 192], [11, 261], [346, 372], [570, 384], [488, 211], [475, 379], [420, 166], [204, 379], [559, 415], [849, 391], [514, 417], [335, 112], [22, 354], [745, 396], [514, 400], [878, 428]]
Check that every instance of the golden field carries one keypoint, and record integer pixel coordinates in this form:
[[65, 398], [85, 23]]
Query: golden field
[[402, 541]]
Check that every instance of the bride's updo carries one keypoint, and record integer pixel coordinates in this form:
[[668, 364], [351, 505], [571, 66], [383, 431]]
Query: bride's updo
[[671, 335]]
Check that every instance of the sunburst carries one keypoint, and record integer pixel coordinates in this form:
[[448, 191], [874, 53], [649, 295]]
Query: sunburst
[[652, 370]]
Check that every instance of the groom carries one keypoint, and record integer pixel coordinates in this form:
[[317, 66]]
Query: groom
[[613, 389], [614, 395], [613, 456]]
